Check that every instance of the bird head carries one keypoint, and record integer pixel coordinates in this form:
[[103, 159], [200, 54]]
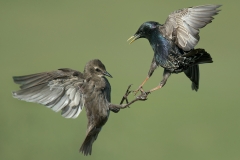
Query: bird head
[[144, 31], [96, 67]]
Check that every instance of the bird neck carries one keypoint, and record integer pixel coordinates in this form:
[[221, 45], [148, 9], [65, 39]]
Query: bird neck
[[156, 38], [158, 42], [93, 77]]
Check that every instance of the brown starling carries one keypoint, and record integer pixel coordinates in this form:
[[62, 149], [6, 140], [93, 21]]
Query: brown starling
[[173, 43], [69, 91]]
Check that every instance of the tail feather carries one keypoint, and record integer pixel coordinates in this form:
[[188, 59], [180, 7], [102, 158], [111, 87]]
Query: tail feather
[[204, 58], [199, 56], [86, 147], [196, 56], [193, 74]]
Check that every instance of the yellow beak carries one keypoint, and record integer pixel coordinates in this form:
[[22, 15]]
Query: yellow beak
[[133, 38]]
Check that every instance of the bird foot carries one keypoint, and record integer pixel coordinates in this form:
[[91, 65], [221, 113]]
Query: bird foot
[[143, 93], [141, 97], [140, 88]]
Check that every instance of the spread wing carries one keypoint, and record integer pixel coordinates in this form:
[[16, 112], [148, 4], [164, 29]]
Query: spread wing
[[182, 26], [58, 90]]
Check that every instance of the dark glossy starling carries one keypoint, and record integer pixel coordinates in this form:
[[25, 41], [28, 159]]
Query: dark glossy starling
[[173, 43], [69, 91]]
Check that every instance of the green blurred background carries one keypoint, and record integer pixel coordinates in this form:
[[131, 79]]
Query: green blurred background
[[174, 123]]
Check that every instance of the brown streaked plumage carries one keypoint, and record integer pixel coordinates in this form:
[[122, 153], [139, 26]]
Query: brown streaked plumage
[[69, 91]]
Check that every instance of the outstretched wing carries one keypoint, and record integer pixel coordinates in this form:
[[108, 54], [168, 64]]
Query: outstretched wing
[[58, 90], [182, 26]]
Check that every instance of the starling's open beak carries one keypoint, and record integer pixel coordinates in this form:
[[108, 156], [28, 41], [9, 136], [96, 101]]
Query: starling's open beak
[[107, 74], [133, 38]]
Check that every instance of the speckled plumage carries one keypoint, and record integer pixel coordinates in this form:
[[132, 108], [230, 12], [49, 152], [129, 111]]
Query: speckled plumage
[[173, 42], [69, 91]]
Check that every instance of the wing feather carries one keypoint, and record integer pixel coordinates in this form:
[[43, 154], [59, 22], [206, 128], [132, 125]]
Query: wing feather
[[182, 26], [79, 109], [58, 90]]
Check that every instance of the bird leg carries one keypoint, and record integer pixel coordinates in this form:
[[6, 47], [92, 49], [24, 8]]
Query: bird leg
[[140, 87], [150, 72], [156, 88], [116, 107], [166, 75]]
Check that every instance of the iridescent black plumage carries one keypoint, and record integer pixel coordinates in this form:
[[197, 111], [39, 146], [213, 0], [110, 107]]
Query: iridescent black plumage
[[173, 43]]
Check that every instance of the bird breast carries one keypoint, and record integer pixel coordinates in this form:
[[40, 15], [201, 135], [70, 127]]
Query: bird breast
[[96, 103]]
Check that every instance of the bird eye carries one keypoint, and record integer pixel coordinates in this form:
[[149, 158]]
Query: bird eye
[[98, 70]]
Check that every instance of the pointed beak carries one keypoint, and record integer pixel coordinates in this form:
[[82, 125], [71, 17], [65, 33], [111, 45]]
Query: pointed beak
[[107, 74], [133, 38]]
